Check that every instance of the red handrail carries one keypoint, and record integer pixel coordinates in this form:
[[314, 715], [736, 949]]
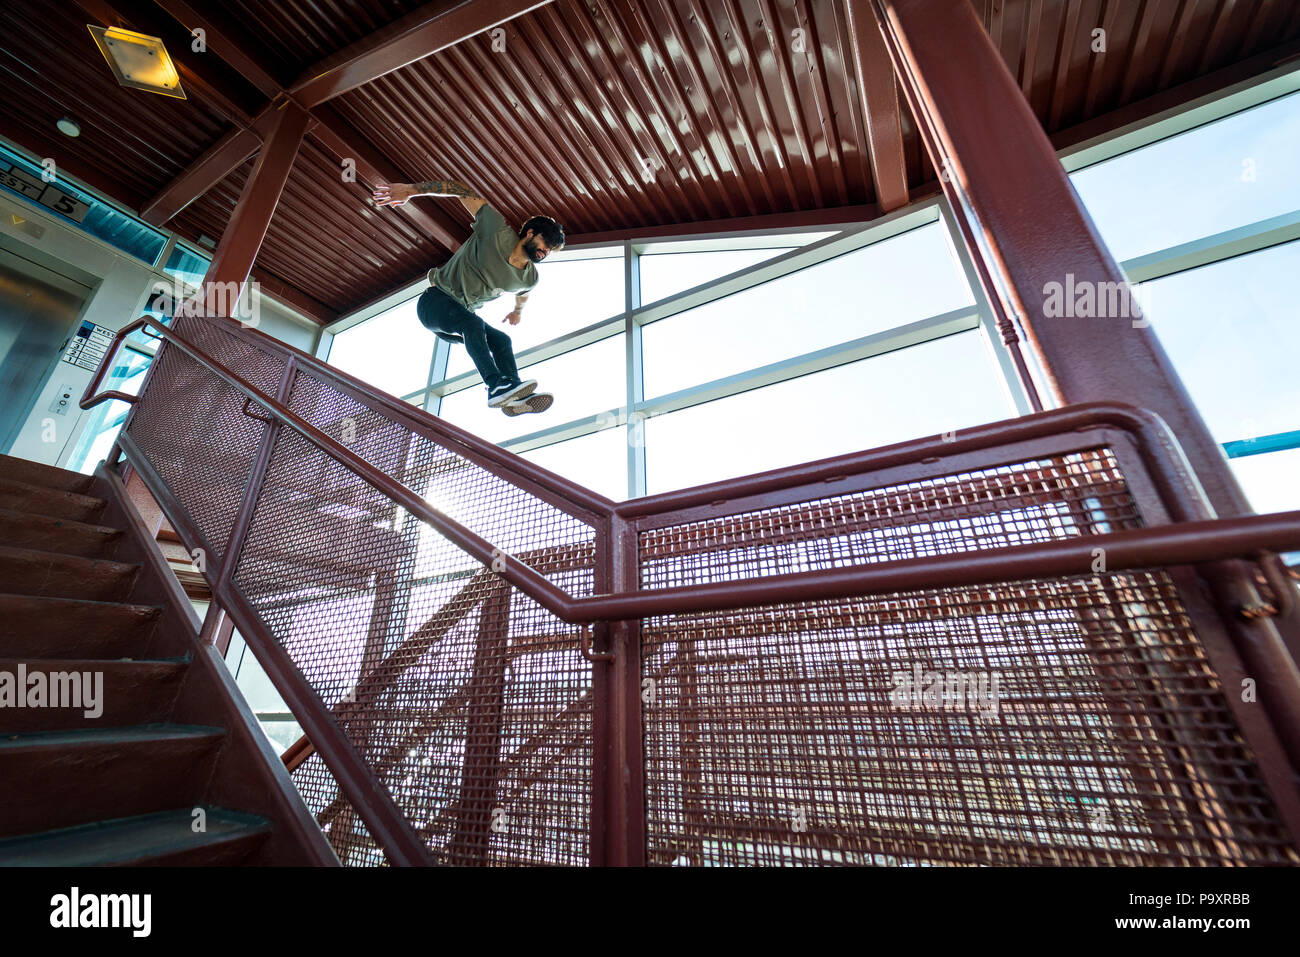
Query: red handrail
[[1203, 541]]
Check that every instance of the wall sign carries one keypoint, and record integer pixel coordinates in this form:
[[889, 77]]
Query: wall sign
[[47, 194], [87, 348]]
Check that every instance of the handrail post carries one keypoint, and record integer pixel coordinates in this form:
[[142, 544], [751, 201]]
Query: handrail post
[[256, 476], [618, 786]]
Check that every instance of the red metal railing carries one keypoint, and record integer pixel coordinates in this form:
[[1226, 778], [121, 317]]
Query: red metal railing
[[421, 599]]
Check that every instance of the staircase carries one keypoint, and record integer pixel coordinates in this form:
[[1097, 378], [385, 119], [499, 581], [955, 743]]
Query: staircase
[[166, 765]]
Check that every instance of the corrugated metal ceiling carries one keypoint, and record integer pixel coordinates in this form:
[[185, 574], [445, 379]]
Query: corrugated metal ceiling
[[607, 114]]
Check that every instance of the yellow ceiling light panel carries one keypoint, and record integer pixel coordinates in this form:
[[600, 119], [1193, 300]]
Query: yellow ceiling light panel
[[138, 60]]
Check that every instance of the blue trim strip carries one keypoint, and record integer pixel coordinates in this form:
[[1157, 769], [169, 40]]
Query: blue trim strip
[[1277, 442]]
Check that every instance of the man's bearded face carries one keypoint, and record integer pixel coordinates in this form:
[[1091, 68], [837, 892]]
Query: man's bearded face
[[535, 248]]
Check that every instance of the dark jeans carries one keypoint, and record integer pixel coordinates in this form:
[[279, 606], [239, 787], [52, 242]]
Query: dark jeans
[[489, 348]]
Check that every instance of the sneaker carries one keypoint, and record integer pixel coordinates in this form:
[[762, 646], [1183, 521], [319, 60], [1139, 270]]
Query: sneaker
[[539, 402], [506, 392]]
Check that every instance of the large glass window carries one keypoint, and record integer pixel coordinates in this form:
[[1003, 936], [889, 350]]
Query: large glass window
[[670, 267], [584, 382], [884, 285], [940, 386], [189, 266], [570, 294], [666, 274], [598, 461], [107, 418], [1235, 171], [1230, 330], [391, 351]]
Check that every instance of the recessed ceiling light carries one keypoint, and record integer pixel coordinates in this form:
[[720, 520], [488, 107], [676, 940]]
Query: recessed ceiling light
[[138, 60], [68, 127]]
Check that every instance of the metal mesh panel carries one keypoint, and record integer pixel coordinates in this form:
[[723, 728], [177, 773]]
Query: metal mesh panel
[[337, 817], [514, 520], [1071, 721], [1077, 494], [190, 425], [469, 701]]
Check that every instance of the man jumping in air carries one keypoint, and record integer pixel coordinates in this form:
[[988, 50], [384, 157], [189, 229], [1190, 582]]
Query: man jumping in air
[[492, 261]]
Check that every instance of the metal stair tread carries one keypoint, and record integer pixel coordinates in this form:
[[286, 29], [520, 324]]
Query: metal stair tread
[[129, 838], [126, 734]]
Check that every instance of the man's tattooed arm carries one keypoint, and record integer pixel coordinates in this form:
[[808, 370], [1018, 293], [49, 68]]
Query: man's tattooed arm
[[443, 187], [397, 194]]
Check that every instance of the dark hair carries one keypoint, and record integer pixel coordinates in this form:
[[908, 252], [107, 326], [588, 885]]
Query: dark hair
[[547, 228]]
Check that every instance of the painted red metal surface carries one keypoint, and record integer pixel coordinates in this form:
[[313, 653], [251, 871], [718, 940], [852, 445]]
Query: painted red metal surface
[[242, 239], [998, 154], [740, 111], [406, 40], [554, 769]]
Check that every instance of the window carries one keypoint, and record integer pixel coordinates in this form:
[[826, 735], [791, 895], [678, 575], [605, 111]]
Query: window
[[106, 419], [947, 384], [22, 177], [672, 266], [666, 274], [1230, 330], [597, 461], [1216, 177], [585, 382], [570, 294], [189, 266], [390, 351], [887, 284]]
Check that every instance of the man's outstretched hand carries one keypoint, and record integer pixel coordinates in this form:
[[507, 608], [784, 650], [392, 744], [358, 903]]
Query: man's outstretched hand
[[513, 318], [392, 194]]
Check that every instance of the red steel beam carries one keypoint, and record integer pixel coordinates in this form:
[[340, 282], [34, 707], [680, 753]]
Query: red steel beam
[[217, 162], [1000, 158], [1030, 231], [415, 36], [222, 45], [881, 111], [243, 235], [331, 131]]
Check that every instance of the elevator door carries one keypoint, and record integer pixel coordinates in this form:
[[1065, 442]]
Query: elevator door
[[38, 312]]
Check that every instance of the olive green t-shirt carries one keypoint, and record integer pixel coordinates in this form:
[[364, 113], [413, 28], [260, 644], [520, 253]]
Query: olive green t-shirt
[[480, 269]]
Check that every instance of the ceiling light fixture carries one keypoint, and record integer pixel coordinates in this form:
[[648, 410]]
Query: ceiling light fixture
[[68, 127], [138, 60]]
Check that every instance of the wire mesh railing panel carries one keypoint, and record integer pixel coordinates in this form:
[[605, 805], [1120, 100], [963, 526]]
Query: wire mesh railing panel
[[1063, 721], [339, 821], [1067, 496], [190, 426], [259, 367], [513, 519], [467, 701]]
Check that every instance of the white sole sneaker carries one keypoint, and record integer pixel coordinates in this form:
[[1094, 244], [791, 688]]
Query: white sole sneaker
[[521, 391], [534, 403]]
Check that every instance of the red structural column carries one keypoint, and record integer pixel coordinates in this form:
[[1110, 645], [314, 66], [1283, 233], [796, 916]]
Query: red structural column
[[1029, 231], [618, 807], [244, 233]]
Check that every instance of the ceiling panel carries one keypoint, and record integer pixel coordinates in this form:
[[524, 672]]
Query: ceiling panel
[[607, 114]]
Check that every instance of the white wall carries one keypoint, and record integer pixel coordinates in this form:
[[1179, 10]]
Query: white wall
[[120, 287]]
